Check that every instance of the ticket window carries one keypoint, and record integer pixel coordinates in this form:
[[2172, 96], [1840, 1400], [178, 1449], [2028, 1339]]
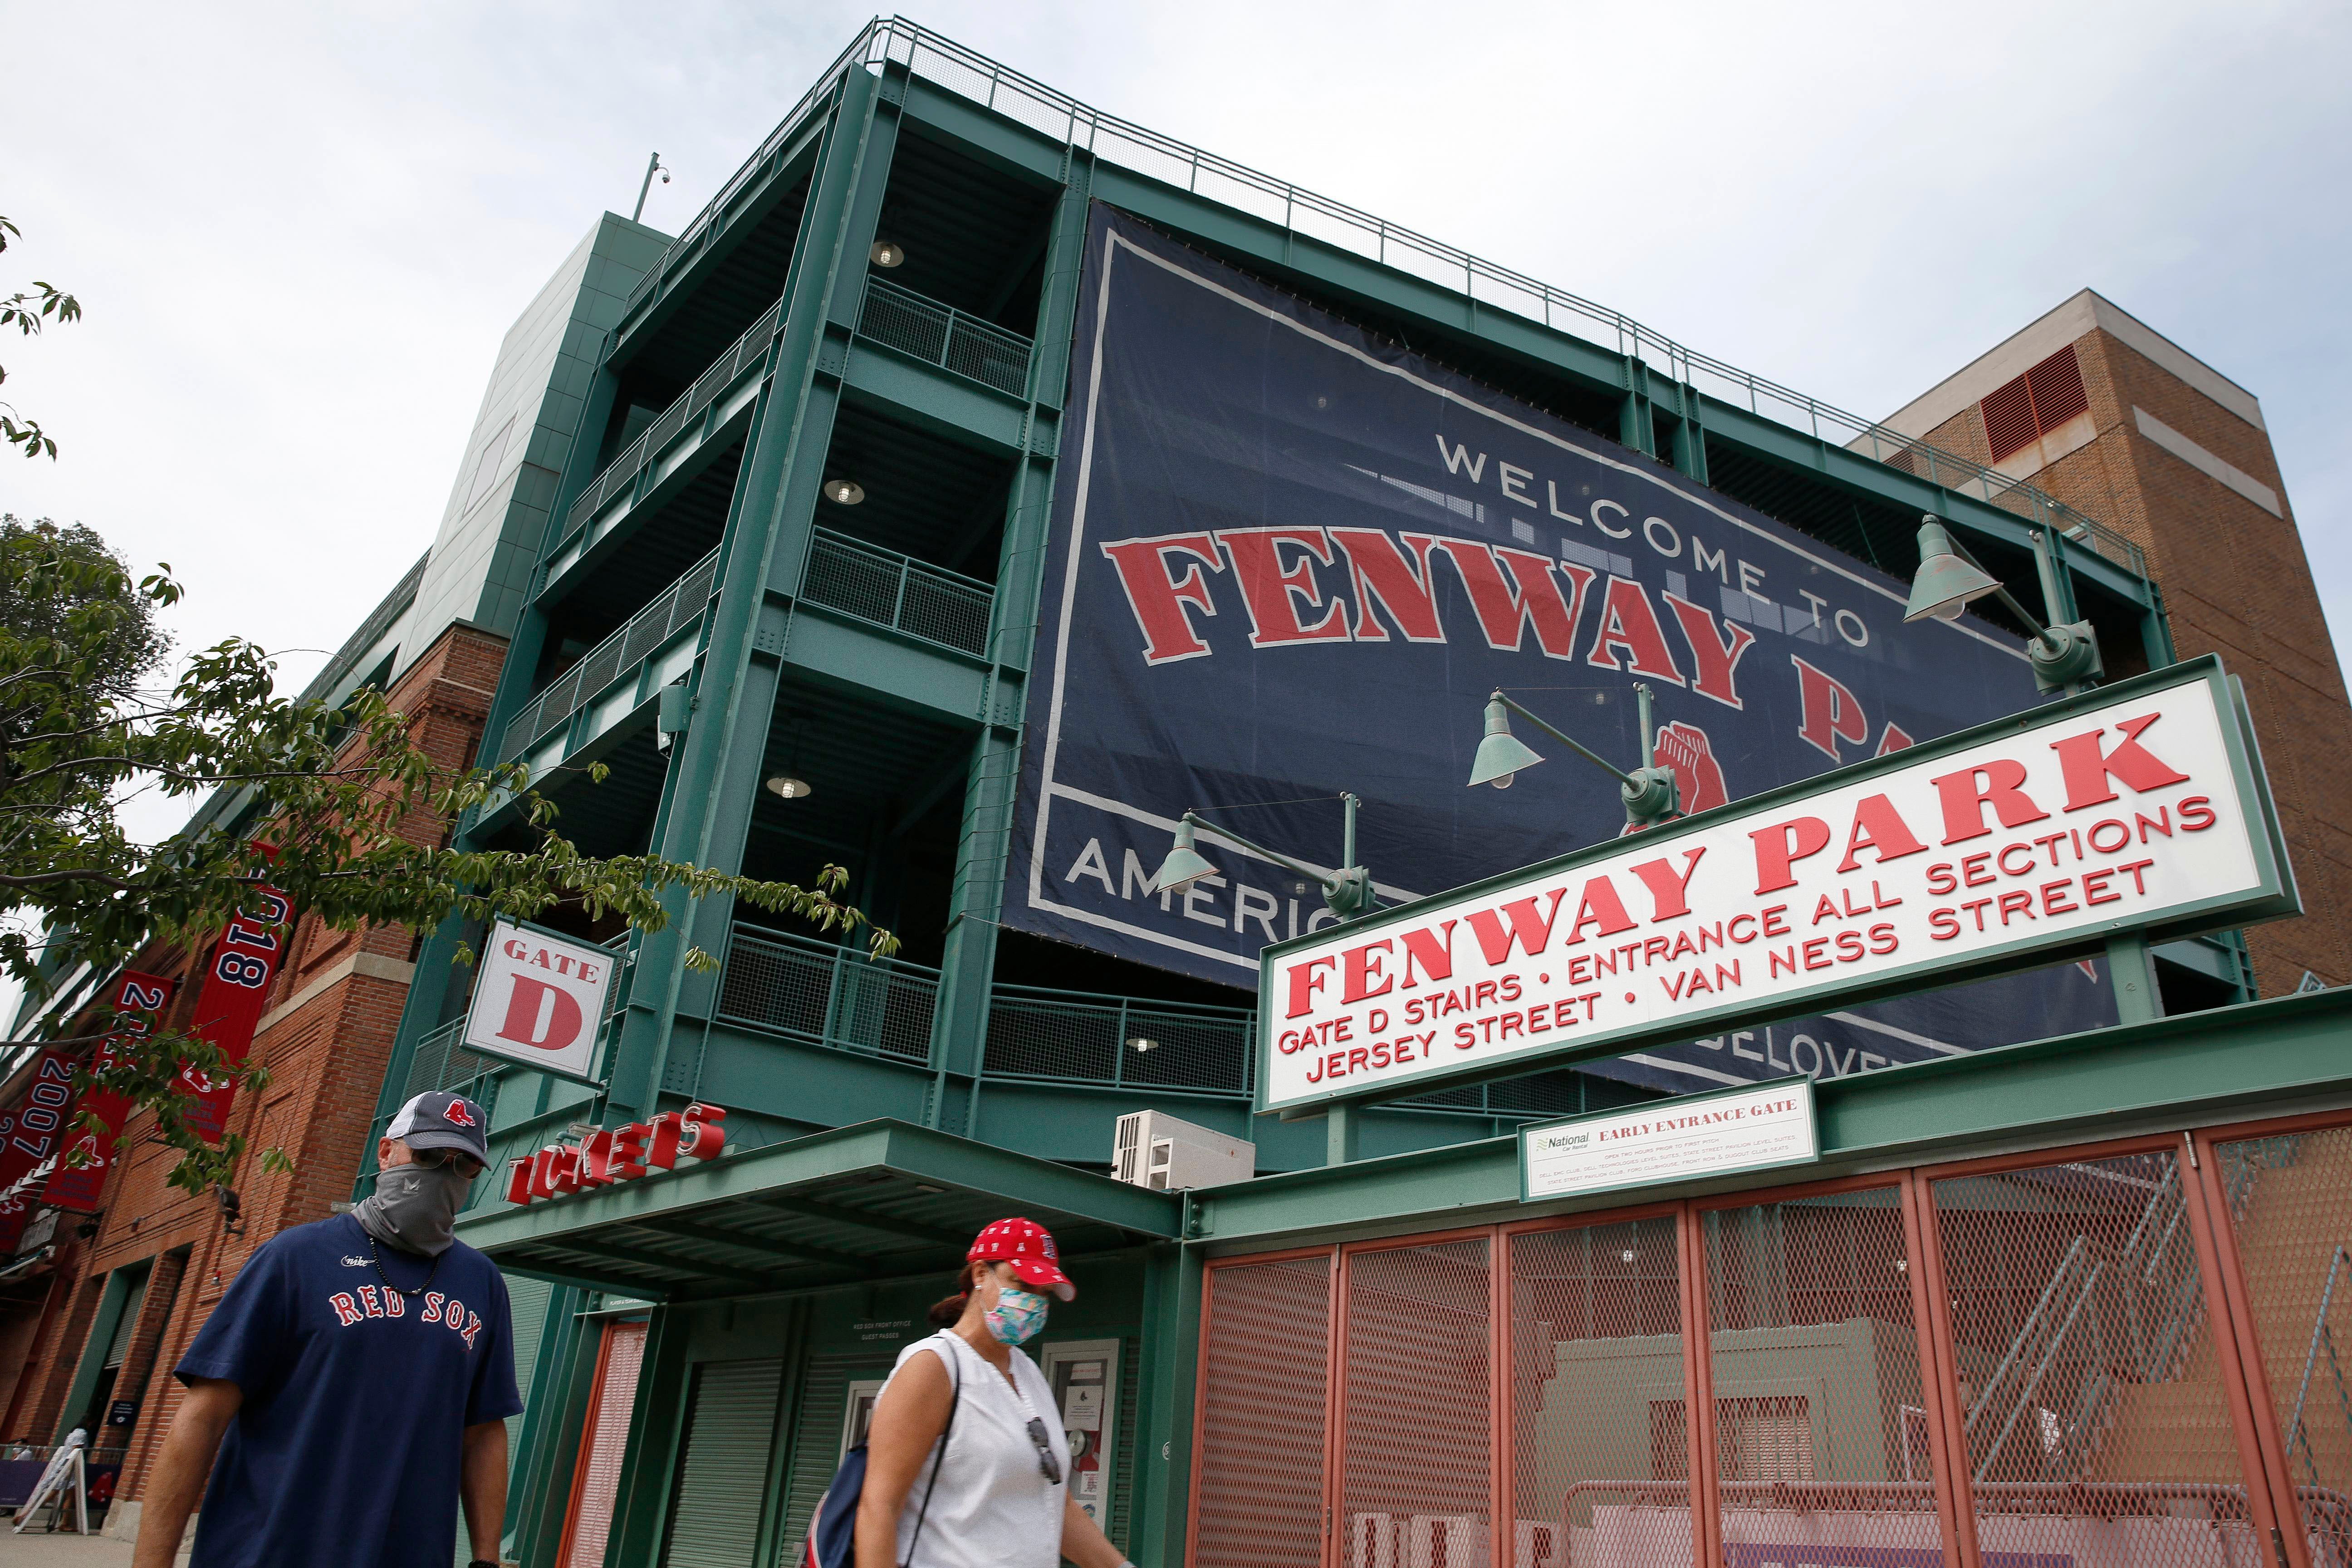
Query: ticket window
[[1084, 1375]]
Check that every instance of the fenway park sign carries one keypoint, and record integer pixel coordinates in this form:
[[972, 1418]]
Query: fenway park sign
[[2138, 809]]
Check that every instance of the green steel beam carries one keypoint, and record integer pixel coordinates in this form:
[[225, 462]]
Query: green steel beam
[[717, 760], [839, 1214], [933, 399], [885, 667], [2197, 1069], [916, 1153], [719, 1235], [657, 1429]]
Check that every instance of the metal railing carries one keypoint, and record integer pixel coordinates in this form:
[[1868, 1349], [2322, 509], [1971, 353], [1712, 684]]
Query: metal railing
[[829, 995], [617, 475], [2115, 1318], [944, 336], [671, 611], [1305, 214], [1118, 1041], [898, 592], [2322, 1338]]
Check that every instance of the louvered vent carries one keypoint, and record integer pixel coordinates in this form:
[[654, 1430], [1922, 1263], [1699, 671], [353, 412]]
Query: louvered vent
[[2020, 412]]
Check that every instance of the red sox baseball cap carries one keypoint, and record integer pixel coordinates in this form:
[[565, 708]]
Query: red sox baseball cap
[[442, 1120], [1029, 1247]]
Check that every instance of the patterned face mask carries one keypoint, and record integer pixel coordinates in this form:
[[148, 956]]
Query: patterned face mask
[[1017, 1317]]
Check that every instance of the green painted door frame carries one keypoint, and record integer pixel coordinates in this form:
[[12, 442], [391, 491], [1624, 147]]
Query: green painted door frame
[[123, 1290]]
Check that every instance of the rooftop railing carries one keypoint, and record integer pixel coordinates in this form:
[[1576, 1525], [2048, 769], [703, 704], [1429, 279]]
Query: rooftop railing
[[898, 592], [1064, 119], [1118, 1041], [672, 610], [944, 336]]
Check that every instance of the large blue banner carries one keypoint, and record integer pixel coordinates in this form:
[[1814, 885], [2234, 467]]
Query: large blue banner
[[1289, 559]]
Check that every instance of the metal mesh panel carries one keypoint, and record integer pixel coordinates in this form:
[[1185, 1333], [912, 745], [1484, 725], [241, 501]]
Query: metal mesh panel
[[619, 653], [602, 1446], [2091, 1392], [903, 321], [850, 577], [2289, 1201], [1820, 1428], [1417, 1482], [993, 358], [1599, 1440], [946, 610], [831, 995], [1265, 1352], [1060, 1035], [777, 986]]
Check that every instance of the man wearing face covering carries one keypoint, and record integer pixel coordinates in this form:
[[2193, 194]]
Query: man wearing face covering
[[362, 1369]]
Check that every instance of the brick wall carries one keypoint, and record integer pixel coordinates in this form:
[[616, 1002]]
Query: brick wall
[[326, 1039], [2236, 583]]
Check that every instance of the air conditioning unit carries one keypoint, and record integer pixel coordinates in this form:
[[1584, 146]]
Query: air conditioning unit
[[1152, 1148]]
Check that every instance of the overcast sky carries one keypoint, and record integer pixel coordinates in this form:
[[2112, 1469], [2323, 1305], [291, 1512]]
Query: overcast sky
[[299, 232]]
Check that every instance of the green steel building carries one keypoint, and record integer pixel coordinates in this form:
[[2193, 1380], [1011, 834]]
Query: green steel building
[[772, 549]]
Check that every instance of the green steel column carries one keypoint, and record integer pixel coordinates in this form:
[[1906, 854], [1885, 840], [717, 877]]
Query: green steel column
[[718, 758], [959, 1024], [2132, 972], [1343, 1132], [540, 1485], [657, 1424], [1634, 428], [1690, 435], [1163, 1448]]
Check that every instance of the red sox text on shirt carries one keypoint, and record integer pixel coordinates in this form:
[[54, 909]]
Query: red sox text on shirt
[[371, 1302]]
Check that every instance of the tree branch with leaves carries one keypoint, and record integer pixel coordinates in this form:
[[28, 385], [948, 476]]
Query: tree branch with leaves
[[44, 305], [337, 808]]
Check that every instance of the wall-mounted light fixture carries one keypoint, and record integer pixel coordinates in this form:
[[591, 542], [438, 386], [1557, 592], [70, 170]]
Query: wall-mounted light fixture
[[2065, 654], [1347, 892], [1650, 792]]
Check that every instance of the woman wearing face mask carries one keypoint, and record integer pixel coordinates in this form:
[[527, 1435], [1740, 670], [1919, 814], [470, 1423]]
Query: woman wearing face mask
[[996, 1493]]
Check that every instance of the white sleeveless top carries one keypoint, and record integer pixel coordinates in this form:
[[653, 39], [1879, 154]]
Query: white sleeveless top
[[993, 1507]]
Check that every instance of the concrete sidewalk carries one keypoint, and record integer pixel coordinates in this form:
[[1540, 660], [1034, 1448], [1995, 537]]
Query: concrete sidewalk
[[37, 1549]]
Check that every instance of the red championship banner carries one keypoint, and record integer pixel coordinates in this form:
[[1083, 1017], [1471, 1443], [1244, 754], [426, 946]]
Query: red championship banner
[[237, 982], [33, 1128], [75, 1185]]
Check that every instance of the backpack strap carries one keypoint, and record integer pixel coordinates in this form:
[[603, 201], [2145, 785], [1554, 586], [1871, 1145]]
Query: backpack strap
[[955, 1367]]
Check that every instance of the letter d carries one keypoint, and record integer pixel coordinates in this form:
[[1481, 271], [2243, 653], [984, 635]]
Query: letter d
[[549, 1028]]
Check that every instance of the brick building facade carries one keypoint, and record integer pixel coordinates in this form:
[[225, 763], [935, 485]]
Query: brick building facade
[[2117, 421], [325, 1039]]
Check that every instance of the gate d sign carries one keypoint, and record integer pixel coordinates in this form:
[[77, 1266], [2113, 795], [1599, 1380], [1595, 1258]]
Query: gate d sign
[[2137, 808], [540, 1000]]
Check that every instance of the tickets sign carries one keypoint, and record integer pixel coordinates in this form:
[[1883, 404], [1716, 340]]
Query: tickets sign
[[2139, 809]]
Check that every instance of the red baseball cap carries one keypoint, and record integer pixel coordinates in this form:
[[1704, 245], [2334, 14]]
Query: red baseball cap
[[1029, 1247]]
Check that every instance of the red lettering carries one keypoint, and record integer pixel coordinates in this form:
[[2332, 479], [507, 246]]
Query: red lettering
[[532, 1000], [1630, 622], [347, 1312], [1359, 968], [1304, 982], [1829, 712], [1598, 907], [1878, 826], [1532, 596], [1431, 949], [1382, 571], [1997, 783], [1158, 599], [1529, 929], [1781, 846], [1717, 658], [1274, 596], [2088, 769], [1670, 893]]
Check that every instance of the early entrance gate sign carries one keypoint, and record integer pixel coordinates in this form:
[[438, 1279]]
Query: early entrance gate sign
[[2139, 810]]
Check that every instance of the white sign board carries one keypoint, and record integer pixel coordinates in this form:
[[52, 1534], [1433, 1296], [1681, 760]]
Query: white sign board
[[1744, 1128], [2140, 808], [540, 1000]]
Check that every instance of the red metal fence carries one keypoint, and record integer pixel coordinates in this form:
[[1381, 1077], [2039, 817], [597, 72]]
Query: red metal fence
[[2125, 1354]]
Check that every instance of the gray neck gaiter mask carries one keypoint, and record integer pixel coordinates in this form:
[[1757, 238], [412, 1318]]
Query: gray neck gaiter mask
[[413, 1207]]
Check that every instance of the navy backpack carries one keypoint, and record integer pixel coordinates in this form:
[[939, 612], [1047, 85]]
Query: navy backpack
[[833, 1534]]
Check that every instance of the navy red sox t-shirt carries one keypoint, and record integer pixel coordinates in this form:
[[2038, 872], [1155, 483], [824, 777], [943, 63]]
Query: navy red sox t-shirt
[[348, 1447]]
